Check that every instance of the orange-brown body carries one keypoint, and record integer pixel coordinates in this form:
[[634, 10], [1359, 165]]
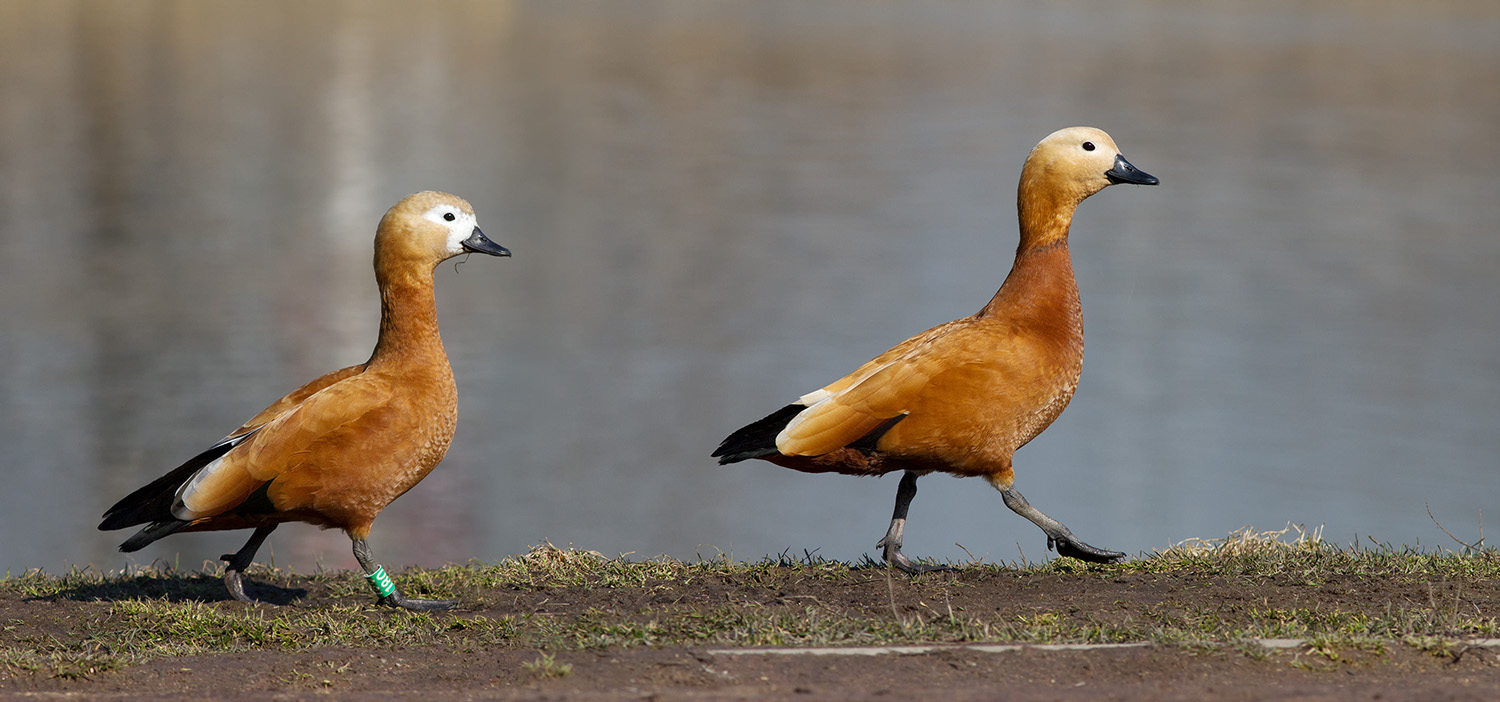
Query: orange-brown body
[[337, 450], [973, 390], [962, 397]]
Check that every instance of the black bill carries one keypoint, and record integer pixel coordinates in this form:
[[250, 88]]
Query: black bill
[[479, 243], [1123, 172]]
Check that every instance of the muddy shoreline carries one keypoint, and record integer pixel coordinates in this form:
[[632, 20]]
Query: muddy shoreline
[[529, 630]]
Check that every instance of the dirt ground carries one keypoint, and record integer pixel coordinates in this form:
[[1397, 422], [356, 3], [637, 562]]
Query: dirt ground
[[1151, 673], [1156, 672]]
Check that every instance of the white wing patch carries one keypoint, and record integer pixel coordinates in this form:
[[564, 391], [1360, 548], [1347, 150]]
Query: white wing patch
[[814, 397]]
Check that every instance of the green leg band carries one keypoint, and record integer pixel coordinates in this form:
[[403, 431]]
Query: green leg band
[[382, 582]]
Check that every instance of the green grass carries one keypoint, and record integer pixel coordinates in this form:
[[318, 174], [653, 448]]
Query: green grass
[[1295, 551], [547, 667], [119, 619]]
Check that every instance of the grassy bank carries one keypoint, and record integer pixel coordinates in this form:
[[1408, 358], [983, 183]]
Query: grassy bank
[[1219, 594]]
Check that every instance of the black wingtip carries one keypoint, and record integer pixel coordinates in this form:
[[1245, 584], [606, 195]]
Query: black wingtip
[[758, 438], [153, 502], [154, 531], [726, 459]]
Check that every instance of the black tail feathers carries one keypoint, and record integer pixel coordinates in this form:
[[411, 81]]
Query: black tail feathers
[[153, 502], [759, 439], [756, 439], [154, 531]]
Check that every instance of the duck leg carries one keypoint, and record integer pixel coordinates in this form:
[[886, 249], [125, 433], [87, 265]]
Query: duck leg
[[386, 589], [240, 560], [1058, 535], [891, 544]]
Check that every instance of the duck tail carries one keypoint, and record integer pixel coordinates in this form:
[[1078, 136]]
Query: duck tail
[[758, 438], [154, 531], [153, 503]]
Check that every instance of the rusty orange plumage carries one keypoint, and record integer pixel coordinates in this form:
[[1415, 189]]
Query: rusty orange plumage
[[337, 450], [962, 397]]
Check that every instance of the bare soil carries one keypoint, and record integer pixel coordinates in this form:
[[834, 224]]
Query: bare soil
[[1157, 671]]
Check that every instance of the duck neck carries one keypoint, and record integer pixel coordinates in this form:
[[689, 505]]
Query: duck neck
[[1045, 216], [408, 321], [1041, 290]]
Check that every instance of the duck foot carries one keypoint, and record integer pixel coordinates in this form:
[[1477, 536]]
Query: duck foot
[[890, 545], [235, 584], [1070, 546], [385, 589], [237, 562], [398, 600], [891, 551], [1058, 535]]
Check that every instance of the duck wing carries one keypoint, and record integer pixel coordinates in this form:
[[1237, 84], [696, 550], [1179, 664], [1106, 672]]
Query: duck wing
[[154, 501]]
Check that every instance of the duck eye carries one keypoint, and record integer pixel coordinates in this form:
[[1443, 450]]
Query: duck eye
[[448, 217], [1088, 146]]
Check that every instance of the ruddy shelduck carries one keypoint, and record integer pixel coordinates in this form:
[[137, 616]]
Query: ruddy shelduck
[[337, 450], [962, 397]]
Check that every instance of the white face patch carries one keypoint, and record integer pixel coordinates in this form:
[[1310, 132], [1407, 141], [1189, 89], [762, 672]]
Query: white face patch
[[460, 225]]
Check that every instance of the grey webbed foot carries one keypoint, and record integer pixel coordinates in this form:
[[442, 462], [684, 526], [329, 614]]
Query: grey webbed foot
[[385, 589], [237, 562], [1058, 535], [234, 582], [890, 545], [1069, 545], [891, 551], [396, 599]]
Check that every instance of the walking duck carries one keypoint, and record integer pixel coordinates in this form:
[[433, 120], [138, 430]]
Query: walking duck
[[337, 450], [962, 397]]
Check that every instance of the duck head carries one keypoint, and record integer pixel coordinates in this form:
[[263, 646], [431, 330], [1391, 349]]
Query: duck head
[[427, 228], [1077, 162], [1066, 167]]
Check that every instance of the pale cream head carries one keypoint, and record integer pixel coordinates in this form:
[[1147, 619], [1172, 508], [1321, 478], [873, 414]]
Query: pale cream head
[[426, 228], [1077, 162]]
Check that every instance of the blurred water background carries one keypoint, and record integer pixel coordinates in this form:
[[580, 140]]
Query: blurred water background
[[718, 206]]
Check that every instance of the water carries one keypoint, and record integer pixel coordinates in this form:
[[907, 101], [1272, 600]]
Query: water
[[716, 207]]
